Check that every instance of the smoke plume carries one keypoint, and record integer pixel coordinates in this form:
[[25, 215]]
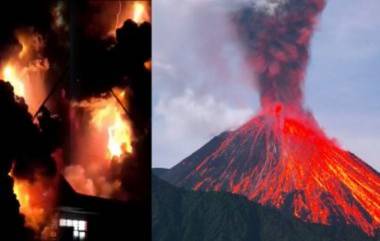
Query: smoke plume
[[276, 36]]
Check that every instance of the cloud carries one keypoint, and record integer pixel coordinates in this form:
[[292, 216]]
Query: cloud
[[197, 52], [184, 123]]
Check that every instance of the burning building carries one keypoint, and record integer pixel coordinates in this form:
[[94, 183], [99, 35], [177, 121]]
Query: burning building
[[76, 126]]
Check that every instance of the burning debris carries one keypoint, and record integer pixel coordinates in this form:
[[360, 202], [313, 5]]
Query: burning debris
[[282, 158]]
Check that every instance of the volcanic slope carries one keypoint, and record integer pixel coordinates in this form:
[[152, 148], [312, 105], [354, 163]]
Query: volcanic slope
[[285, 161]]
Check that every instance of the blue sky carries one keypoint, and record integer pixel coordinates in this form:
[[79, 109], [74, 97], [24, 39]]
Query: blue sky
[[201, 85]]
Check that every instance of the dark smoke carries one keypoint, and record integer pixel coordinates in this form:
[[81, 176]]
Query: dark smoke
[[101, 66], [278, 47], [102, 63], [23, 147]]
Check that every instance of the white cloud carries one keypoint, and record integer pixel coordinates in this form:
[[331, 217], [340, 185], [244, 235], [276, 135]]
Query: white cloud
[[186, 122]]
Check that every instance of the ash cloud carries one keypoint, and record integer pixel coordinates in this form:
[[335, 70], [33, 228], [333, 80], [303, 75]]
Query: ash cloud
[[277, 45]]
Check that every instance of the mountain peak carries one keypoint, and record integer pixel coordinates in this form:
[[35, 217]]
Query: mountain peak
[[282, 158]]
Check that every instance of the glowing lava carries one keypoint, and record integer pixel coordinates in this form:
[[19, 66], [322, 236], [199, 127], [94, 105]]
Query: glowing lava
[[282, 158], [286, 161]]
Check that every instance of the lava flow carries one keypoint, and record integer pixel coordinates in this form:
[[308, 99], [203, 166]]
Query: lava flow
[[282, 158], [286, 161]]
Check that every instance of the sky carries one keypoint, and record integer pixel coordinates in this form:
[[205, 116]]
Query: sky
[[202, 86]]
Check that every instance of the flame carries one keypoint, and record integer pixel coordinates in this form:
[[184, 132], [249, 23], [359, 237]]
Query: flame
[[11, 75], [25, 70], [108, 114], [37, 202], [101, 126], [118, 137], [34, 213], [139, 12]]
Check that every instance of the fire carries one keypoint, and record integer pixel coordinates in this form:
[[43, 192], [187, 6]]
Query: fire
[[25, 69], [37, 201], [108, 115], [11, 75], [118, 137], [138, 11], [104, 133], [34, 214]]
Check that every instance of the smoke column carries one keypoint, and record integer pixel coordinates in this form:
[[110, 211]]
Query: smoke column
[[276, 35]]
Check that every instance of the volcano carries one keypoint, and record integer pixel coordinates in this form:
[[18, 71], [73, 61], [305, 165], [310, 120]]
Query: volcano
[[283, 159]]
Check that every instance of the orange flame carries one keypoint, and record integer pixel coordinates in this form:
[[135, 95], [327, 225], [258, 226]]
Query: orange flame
[[34, 214], [100, 125], [107, 114], [37, 202], [138, 11], [26, 69], [11, 75]]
